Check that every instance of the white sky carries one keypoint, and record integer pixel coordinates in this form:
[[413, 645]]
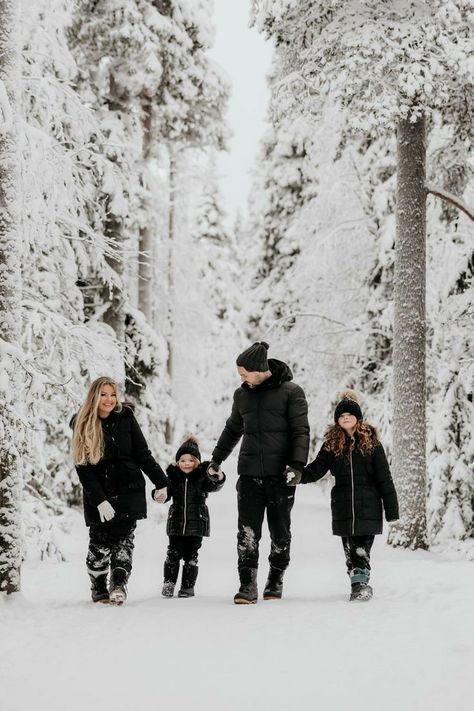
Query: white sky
[[245, 56]]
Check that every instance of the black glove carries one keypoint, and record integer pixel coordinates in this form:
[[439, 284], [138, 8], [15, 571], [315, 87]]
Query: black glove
[[292, 476], [213, 471]]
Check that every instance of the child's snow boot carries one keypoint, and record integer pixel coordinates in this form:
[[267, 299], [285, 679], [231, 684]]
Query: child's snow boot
[[248, 593], [361, 592], [99, 591], [118, 589], [188, 580], [360, 588], [274, 585]]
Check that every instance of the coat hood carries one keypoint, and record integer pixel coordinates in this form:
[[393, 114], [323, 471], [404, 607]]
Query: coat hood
[[280, 373]]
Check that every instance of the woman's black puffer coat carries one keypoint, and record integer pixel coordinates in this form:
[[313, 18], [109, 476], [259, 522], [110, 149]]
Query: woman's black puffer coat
[[188, 514], [272, 419], [363, 484], [118, 477]]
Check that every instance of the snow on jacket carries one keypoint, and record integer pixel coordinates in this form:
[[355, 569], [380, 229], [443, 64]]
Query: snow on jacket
[[363, 483], [117, 477], [272, 419], [188, 514]]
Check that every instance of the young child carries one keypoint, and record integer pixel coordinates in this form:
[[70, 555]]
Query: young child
[[188, 517], [352, 452], [110, 453]]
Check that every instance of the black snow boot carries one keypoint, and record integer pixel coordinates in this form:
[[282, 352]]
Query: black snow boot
[[171, 570], [188, 580], [248, 593], [99, 591], [118, 588], [274, 585], [361, 592]]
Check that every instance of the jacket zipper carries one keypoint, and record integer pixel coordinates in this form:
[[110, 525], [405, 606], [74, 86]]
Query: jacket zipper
[[260, 436], [185, 502], [352, 485]]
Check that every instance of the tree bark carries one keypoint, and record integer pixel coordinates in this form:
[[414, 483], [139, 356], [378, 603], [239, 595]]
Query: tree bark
[[409, 339], [145, 259], [169, 429], [10, 303]]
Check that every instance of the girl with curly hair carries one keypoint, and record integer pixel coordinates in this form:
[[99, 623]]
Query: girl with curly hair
[[352, 452]]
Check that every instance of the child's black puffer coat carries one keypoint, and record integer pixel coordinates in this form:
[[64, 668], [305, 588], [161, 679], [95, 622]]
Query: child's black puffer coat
[[363, 484], [188, 514]]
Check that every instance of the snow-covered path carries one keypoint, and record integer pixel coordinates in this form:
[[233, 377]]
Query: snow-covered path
[[411, 647]]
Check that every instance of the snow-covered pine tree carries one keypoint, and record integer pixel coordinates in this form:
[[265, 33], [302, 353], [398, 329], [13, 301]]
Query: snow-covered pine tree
[[190, 107], [11, 372], [407, 63], [286, 180]]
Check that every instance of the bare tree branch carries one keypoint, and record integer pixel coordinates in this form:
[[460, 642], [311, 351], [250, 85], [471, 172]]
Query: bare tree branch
[[453, 199]]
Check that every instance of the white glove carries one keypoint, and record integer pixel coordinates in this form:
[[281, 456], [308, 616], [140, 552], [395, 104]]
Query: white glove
[[161, 495], [106, 511]]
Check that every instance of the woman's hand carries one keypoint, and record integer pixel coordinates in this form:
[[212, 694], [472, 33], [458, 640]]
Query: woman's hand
[[161, 495], [106, 511]]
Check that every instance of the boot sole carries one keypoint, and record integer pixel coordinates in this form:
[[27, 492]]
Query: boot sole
[[241, 601], [105, 601], [272, 597]]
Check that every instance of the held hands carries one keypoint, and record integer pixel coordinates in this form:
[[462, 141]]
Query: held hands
[[106, 511], [214, 472], [292, 476], [160, 495]]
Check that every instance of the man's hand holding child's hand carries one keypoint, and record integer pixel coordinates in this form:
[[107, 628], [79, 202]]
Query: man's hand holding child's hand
[[160, 495]]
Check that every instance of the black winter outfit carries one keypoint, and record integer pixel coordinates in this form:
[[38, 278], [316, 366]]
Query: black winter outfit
[[363, 485], [188, 520], [117, 478], [272, 419]]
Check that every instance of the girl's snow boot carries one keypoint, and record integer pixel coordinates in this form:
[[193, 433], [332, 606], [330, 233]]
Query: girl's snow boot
[[118, 589], [188, 580], [361, 592], [248, 593]]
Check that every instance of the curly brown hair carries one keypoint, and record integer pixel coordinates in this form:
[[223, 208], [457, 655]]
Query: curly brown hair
[[338, 442]]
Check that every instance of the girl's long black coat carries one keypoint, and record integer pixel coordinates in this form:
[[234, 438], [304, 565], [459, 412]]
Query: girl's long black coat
[[362, 484], [118, 477], [188, 514]]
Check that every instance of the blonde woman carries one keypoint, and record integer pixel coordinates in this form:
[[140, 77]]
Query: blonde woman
[[110, 453]]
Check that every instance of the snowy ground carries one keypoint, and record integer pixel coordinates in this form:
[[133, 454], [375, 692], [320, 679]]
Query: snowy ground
[[410, 648]]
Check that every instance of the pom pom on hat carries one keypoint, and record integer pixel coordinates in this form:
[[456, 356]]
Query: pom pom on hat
[[190, 446], [254, 359], [348, 402]]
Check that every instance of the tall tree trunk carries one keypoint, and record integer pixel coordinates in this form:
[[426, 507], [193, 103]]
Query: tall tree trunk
[[145, 260], [169, 430], [409, 339], [10, 302]]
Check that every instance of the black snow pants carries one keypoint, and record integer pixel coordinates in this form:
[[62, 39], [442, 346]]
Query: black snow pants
[[254, 496], [111, 544], [357, 552], [185, 548]]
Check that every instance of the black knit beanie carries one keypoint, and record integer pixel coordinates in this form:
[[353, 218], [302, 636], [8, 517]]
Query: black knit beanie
[[189, 446], [349, 405], [254, 359]]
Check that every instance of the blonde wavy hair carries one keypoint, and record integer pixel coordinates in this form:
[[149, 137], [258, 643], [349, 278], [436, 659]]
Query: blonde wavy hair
[[87, 440]]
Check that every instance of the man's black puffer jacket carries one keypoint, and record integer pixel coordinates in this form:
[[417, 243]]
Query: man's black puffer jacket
[[272, 419], [117, 477], [188, 514]]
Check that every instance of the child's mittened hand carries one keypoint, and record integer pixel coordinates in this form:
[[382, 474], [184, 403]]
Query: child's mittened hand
[[161, 495]]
